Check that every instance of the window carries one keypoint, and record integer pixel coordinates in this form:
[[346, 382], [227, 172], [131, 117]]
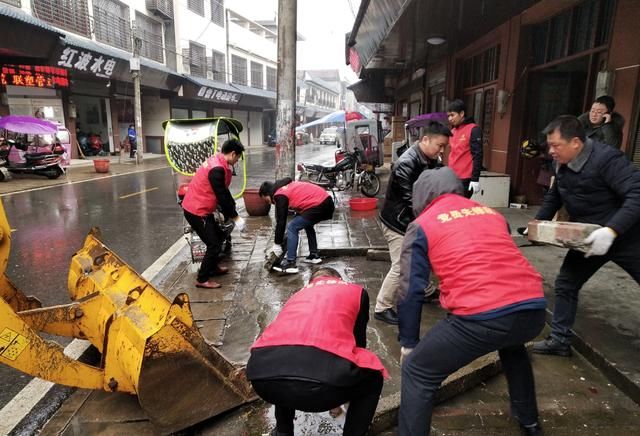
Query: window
[[257, 80], [481, 68], [196, 6], [150, 32], [72, 15], [238, 70], [197, 60], [111, 23], [217, 12], [271, 79], [219, 66], [586, 26]]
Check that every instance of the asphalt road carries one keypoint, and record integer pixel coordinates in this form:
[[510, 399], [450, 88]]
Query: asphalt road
[[137, 214]]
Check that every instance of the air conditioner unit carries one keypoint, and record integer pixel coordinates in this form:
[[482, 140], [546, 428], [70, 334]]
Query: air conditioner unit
[[210, 75], [163, 8], [186, 69]]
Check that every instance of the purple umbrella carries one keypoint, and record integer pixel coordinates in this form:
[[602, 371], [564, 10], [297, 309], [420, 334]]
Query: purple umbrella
[[26, 124], [425, 119]]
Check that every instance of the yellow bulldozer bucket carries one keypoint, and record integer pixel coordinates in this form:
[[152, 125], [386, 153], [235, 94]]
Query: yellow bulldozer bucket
[[150, 346]]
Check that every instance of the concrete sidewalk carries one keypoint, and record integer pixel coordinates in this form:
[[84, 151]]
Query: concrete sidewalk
[[232, 317]]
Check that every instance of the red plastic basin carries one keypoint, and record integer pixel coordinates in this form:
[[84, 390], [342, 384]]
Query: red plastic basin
[[363, 203]]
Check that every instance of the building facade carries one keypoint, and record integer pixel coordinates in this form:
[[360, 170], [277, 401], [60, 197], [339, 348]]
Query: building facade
[[517, 65]]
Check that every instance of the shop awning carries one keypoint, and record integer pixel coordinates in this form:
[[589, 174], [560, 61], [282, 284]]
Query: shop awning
[[370, 90]]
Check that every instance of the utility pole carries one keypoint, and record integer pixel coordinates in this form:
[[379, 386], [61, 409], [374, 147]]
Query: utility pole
[[137, 104], [286, 83]]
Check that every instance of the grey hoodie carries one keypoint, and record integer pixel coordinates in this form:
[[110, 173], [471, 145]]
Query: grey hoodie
[[432, 184]]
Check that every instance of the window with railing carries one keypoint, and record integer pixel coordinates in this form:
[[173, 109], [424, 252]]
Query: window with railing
[[72, 15], [219, 66], [196, 6], [257, 76], [150, 32], [271, 79], [481, 68], [238, 70], [111, 23], [217, 12], [12, 2], [584, 27], [197, 59]]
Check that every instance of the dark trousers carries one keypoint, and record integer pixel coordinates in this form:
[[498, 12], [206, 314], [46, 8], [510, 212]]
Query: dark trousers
[[576, 270], [133, 146], [289, 395], [455, 342], [208, 230]]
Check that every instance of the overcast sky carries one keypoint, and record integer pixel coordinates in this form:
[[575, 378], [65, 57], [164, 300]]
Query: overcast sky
[[323, 24]]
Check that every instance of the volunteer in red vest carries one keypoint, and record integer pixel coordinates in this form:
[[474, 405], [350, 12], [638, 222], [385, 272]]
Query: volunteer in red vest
[[311, 203], [465, 156], [313, 356], [209, 190], [493, 295]]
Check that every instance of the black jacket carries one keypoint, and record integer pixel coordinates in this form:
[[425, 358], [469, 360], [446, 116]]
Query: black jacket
[[608, 133], [397, 210], [599, 186]]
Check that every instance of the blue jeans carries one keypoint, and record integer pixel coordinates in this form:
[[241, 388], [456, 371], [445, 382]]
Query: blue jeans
[[455, 342], [294, 227]]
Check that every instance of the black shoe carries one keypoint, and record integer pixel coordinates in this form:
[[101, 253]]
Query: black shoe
[[532, 430], [286, 266], [552, 346], [431, 294], [312, 258], [388, 315]]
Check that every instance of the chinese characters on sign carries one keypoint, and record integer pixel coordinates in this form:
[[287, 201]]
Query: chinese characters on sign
[[87, 62], [463, 213], [35, 76], [219, 95]]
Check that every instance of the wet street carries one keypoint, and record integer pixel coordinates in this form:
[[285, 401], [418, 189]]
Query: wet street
[[137, 214]]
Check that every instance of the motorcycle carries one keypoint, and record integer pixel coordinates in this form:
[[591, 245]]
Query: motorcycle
[[19, 157], [350, 172], [91, 145]]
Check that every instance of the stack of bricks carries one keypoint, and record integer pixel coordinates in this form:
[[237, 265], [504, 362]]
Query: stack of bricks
[[561, 234]]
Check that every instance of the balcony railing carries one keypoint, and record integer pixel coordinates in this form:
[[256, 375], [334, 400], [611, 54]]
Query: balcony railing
[[72, 15], [163, 8]]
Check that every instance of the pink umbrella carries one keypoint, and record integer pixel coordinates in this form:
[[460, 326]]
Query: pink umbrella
[[26, 124], [350, 116]]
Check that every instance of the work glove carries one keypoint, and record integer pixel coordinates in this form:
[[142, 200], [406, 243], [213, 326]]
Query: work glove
[[475, 187], [600, 241], [404, 352], [277, 249], [241, 224]]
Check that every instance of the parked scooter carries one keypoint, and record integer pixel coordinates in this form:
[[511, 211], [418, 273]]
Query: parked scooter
[[91, 144], [349, 172]]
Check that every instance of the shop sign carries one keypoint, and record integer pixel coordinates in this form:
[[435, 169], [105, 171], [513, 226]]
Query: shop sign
[[219, 95], [34, 76], [87, 62]]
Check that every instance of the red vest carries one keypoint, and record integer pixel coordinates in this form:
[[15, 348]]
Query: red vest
[[200, 199], [479, 266], [460, 160], [322, 315], [302, 195]]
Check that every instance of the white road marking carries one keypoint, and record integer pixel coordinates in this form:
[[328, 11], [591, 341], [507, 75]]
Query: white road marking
[[14, 411]]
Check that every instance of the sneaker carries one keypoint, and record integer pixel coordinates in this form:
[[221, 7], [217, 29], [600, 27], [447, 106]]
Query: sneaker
[[431, 294], [551, 346], [532, 430], [287, 267], [312, 258], [388, 315]]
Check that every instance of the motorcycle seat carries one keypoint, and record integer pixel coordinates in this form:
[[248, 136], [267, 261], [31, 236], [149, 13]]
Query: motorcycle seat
[[320, 168], [35, 155]]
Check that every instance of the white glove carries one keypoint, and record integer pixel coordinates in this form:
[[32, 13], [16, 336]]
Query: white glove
[[600, 241], [277, 249], [404, 352], [475, 187], [241, 224]]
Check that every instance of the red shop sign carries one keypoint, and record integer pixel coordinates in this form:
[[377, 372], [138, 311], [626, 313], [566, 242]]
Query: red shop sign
[[34, 76]]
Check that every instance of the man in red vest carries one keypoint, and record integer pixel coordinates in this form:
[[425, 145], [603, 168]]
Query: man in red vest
[[311, 203], [493, 295], [209, 190], [465, 157], [313, 356]]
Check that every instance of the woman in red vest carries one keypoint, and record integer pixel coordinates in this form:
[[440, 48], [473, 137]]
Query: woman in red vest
[[311, 203], [465, 157], [492, 293], [209, 190], [313, 356]]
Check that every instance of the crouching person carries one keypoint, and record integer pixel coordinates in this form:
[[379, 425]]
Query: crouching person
[[312, 205], [313, 356], [493, 295]]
